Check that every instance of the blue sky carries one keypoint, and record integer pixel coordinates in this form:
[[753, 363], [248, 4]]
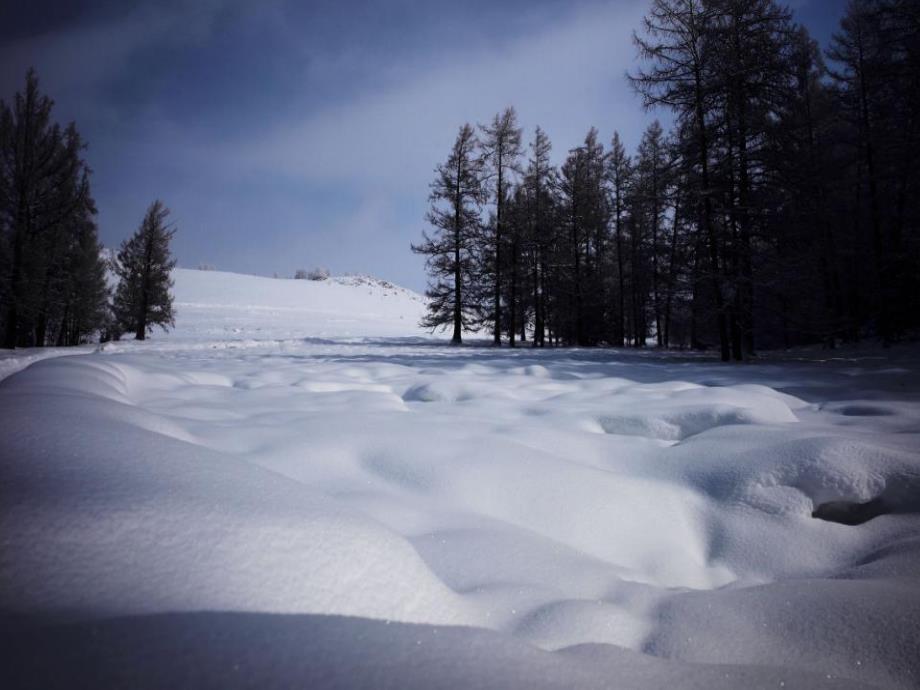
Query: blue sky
[[293, 134]]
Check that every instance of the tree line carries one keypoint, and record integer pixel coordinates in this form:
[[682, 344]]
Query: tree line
[[53, 274], [781, 208]]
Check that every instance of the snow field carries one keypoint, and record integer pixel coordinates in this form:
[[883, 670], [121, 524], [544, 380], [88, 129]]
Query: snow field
[[231, 308], [565, 499]]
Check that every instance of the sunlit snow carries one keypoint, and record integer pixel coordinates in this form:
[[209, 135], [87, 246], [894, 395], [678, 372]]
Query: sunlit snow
[[299, 447]]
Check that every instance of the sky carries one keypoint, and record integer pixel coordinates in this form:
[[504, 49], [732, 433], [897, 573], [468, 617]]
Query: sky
[[286, 135]]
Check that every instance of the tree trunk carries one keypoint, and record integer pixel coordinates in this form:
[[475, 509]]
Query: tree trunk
[[707, 218], [621, 317], [540, 325], [655, 291], [512, 306], [671, 269], [497, 297], [457, 337]]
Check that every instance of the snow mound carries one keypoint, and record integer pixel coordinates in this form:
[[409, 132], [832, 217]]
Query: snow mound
[[595, 515], [154, 521]]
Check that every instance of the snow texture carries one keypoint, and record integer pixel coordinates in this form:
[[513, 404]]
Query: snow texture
[[298, 486]]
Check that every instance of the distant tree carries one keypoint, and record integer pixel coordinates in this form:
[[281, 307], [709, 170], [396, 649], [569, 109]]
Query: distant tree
[[456, 196], [517, 230], [875, 60], [677, 48], [584, 220], [300, 274], [83, 306], [650, 189], [782, 208], [142, 298], [46, 216], [501, 151], [619, 172], [318, 273], [539, 183]]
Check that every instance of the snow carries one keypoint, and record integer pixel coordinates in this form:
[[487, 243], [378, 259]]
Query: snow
[[229, 307], [300, 479]]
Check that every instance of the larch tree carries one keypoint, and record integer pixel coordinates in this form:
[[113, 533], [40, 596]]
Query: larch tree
[[781, 209], [83, 307], [651, 188], [456, 197], [619, 174], [875, 64], [501, 152], [676, 46], [46, 213], [142, 298], [583, 207], [752, 78], [539, 183]]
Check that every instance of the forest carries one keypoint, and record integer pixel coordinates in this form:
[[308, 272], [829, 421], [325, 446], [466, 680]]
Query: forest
[[53, 271], [780, 208]]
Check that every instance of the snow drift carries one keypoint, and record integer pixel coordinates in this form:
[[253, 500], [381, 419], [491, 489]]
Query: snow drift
[[444, 517]]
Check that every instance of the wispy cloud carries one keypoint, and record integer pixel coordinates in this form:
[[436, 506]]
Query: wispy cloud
[[249, 122], [565, 78]]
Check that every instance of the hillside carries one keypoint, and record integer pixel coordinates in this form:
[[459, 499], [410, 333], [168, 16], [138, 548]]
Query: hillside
[[231, 306], [222, 309]]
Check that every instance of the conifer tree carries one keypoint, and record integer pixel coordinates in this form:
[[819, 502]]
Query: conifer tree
[[501, 150], [619, 176], [83, 307], [652, 171], [678, 49], [584, 220], [456, 196], [142, 298], [875, 64], [539, 183], [781, 210], [45, 208]]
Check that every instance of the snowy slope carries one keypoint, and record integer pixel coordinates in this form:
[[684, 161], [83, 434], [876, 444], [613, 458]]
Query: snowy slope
[[215, 309], [428, 516], [213, 304]]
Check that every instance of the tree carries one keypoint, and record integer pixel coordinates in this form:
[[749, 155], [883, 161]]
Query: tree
[[583, 215], [619, 173], [46, 226], [752, 78], [142, 298], [455, 197], [803, 164], [678, 259], [539, 183], [678, 48], [876, 61], [84, 305], [501, 150], [649, 194], [782, 209]]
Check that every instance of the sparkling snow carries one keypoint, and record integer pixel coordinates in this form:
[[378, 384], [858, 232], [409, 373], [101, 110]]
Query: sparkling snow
[[599, 517]]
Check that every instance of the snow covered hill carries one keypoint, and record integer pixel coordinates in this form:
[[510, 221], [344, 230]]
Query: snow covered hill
[[232, 306], [216, 309], [293, 488]]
